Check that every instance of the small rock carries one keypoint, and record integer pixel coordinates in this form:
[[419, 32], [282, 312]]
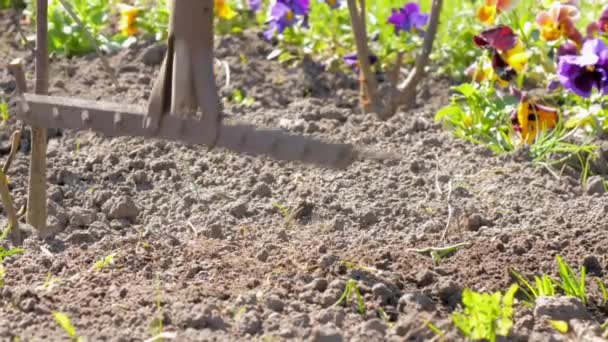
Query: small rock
[[274, 303], [162, 165], [100, 197], [419, 124], [121, 207], [318, 284], [261, 190], [425, 278], [144, 79], [374, 325], [81, 217], [448, 291], [53, 227], [519, 249], [382, 292], [337, 284], [140, 177], [337, 224], [331, 315], [58, 212], [326, 333], [267, 178], [595, 185], [327, 261], [214, 231], [154, 55], [415, 301], [301, 320], [368, 219], [592, 265], [476, 221], [561, 308], [80, 237], [328, 298], [28, 305], [249, 323], [246, 299], [238, 209], [307, 296], [263, 255]]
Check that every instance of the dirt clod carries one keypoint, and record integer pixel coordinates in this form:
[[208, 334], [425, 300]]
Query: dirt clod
[[122, 207], [560, 308]]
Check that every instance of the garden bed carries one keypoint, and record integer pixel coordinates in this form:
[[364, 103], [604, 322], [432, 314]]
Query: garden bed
[[218, 246]]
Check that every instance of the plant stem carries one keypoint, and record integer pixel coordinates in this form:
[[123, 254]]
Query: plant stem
[[370, 101], [407, 94], [37, 207]]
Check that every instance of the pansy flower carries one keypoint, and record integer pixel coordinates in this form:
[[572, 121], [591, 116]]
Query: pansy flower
[[488, 12], [582, 73], [602, 23], [283, 15], [408, 19], [128, 19], [223, 10], [558, 22], [333, 4], [255, 5], [353, 61], [531, 118], [507, 51]]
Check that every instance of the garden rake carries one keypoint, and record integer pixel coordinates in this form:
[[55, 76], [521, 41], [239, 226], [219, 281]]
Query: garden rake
[[185, 84]]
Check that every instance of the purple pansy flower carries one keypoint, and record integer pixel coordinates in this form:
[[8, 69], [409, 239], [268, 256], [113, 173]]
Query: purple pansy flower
[[602, 23], [255, 5], [567, 49], [352, 61], [581, 73], [283, 14], [408, 18]]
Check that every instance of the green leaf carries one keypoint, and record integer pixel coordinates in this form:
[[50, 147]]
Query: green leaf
[[466, 89], [66, 324], [5, 253], [4, 116], [435, 329], [560, 326], [450, 110]]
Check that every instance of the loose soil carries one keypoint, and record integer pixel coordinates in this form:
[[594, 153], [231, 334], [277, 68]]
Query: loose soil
[[200, 238]]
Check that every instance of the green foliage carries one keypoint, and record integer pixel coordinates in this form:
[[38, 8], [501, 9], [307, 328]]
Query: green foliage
[[351, 289], [477, 115], [105, 262], [602, 288], [454, 49], [561, 326], [570, 283], [283, 210], [5, 253], [4, 114], [435, 329], [153, 20], [157, 325], [66, 324], [544, 286], [2, 274], [486, 316], [6, 4], [239, 97], [67, 37]]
